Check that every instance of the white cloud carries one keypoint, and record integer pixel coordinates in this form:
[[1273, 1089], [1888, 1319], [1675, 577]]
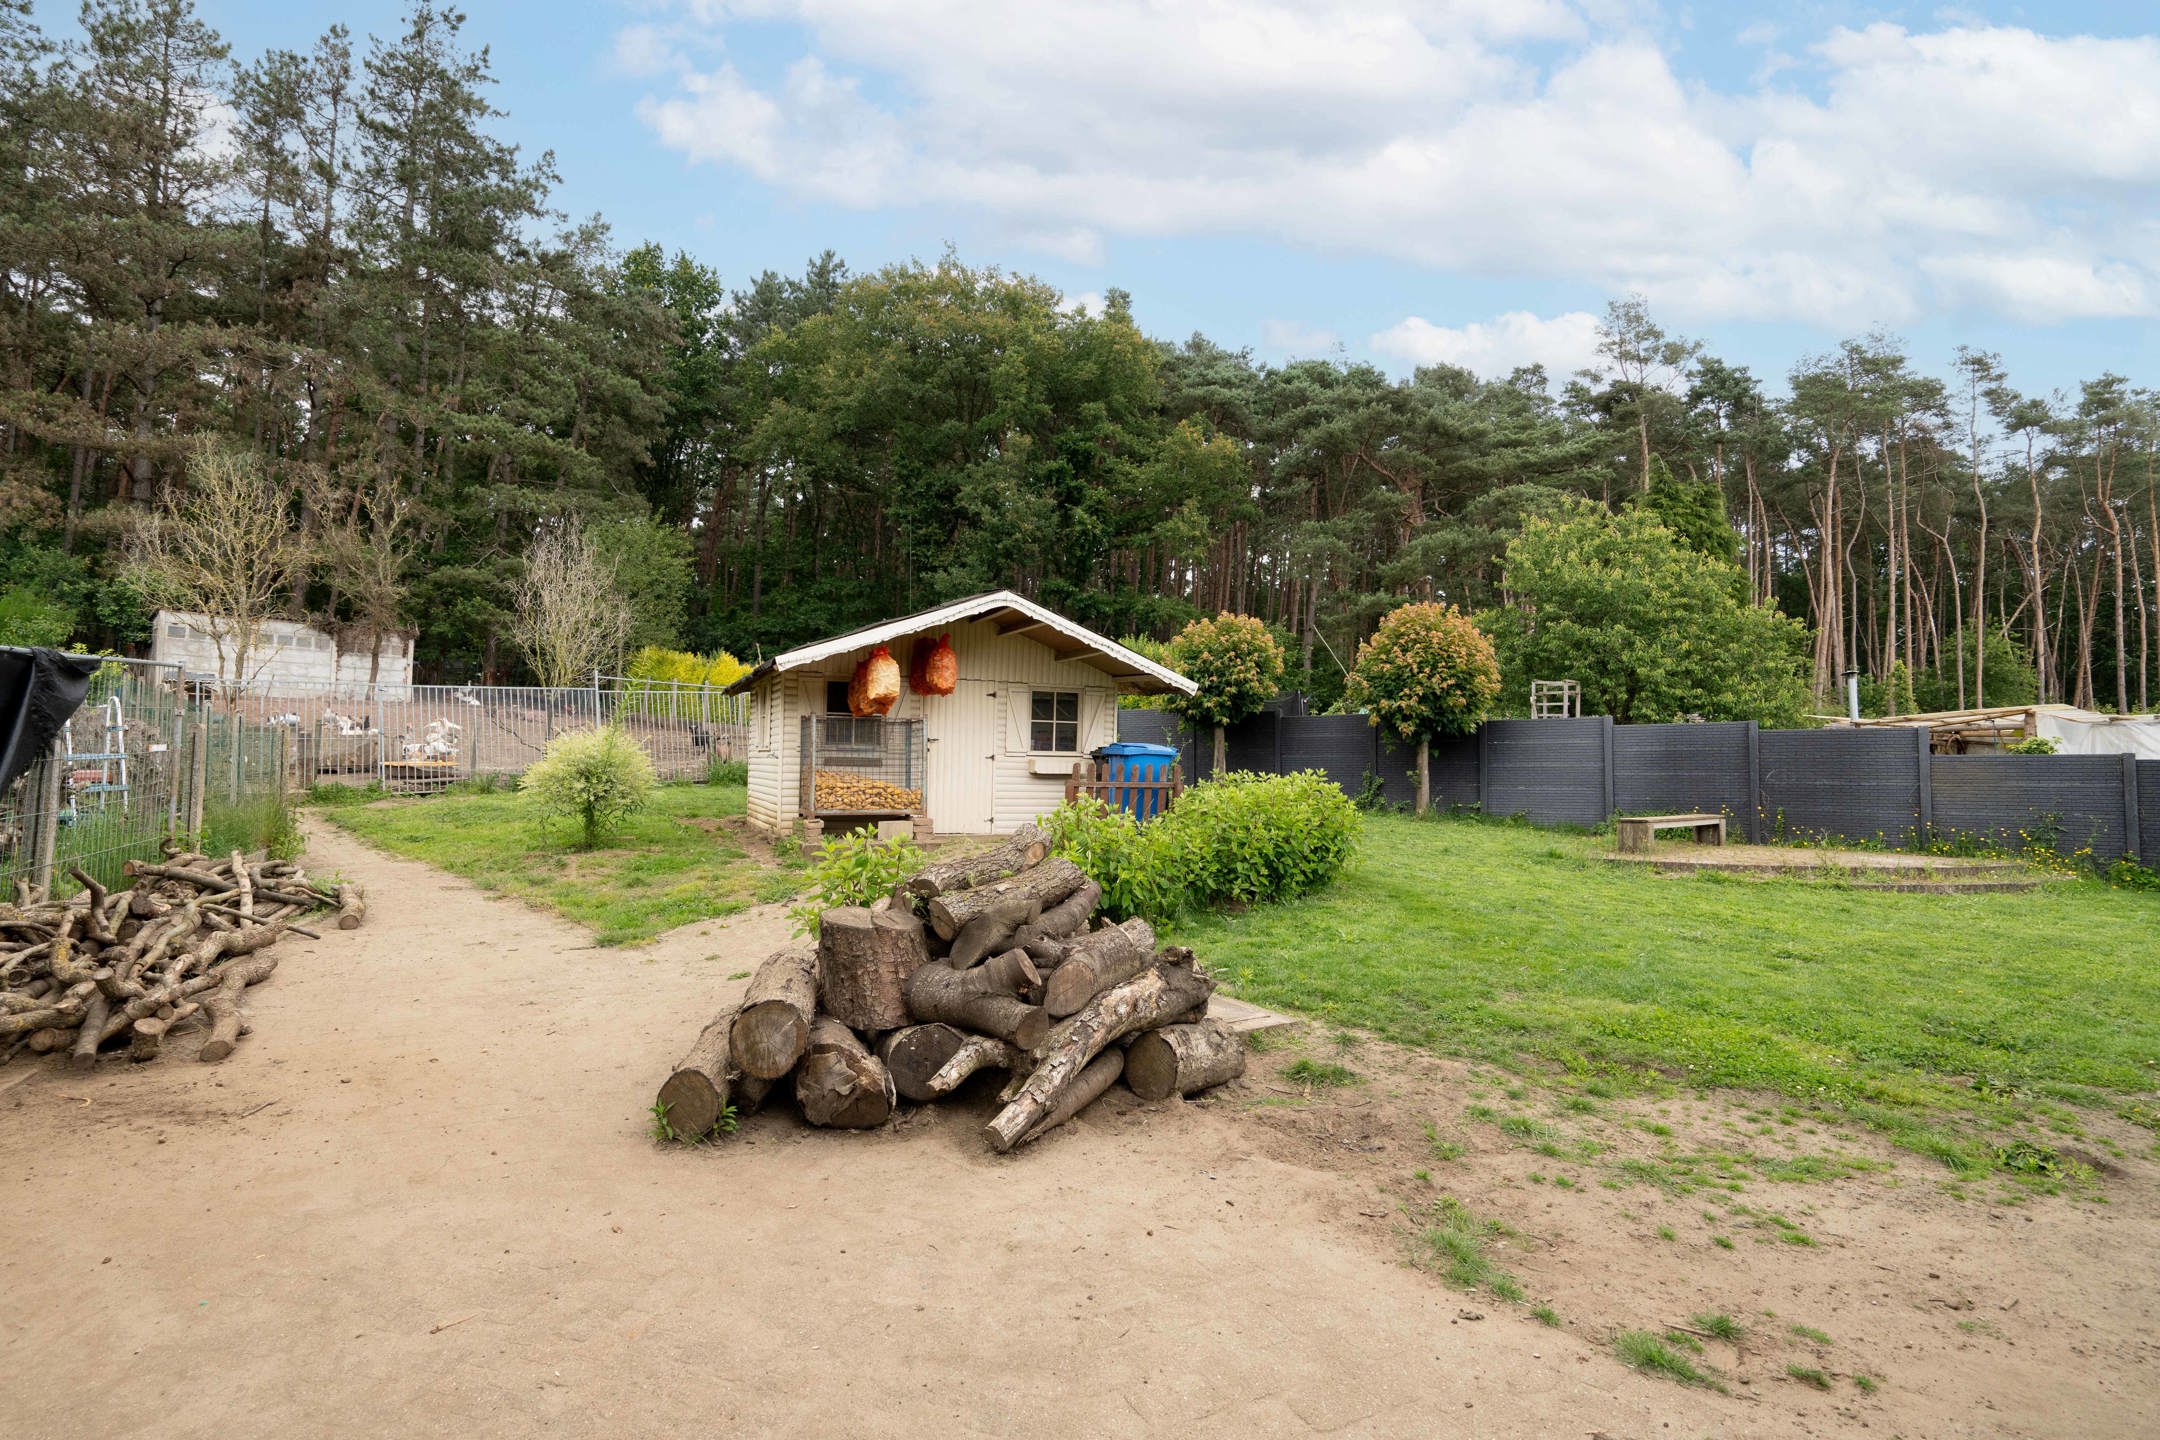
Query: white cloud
[[1293, 338], [1087, 302], [1970, 166], [1494, 348]]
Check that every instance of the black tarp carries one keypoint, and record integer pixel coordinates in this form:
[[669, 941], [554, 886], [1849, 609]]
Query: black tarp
[[39, 689]]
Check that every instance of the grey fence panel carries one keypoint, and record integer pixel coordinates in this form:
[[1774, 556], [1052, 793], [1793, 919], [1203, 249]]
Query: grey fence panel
[[1341, 746], [1551, 771], [1674, 769], [2014, 800], [1157, 727], [2148, 793], [1855, 784], [1453, 767]]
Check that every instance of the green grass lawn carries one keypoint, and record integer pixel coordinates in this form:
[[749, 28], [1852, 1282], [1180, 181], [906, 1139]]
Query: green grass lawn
[[1932, 1018], [671, 865]]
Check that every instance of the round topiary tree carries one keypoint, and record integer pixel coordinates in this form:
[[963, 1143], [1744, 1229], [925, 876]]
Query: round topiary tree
[[1428, 670], [1237, 664]]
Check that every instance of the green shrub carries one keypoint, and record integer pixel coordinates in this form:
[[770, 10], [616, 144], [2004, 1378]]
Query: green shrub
[[727, 772], [1250, 838], [1116, 853], [1243, 839], [2033, 745], [854, 869], [598, 777]]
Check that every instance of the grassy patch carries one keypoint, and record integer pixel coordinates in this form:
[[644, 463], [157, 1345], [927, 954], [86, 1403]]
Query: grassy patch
[[1878, 1007], [1457, 1246], [1642, 1350], [669, 866], [1810, 1334], [1809, 1375], [1719, 1326], [1321, 1074]]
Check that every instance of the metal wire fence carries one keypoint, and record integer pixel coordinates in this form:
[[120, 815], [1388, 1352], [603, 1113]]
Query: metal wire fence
[[111, 787], [412, 738]]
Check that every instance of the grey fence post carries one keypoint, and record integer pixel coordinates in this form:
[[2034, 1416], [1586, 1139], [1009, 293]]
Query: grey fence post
[[1611, 782], [1484, 766], [198, 777], [1924, 766], [1754, 783], [2133, 845]]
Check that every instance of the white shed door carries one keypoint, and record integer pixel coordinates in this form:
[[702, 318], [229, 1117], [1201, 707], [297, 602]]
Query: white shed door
[[961, 731]]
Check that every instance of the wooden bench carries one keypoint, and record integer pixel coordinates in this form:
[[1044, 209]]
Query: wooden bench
[[1637, 831]]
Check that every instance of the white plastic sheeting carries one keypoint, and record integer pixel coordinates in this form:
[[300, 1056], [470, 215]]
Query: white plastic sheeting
[[2082, 732]]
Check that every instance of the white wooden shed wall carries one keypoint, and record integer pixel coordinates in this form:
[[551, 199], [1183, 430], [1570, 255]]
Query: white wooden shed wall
[[982, 777]]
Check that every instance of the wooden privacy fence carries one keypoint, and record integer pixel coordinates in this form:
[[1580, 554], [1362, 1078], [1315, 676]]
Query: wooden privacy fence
[[1146, 789]]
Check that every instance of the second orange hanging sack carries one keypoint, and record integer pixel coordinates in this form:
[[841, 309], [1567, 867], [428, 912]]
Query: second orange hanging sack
[[935, 669], [875, 684]]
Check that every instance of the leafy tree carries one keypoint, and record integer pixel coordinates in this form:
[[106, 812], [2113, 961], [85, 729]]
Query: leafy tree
[[651, 565], [1238, 665], [1652, 629], [1427, 671], [1694, 511], [570, 616], [599, 778]]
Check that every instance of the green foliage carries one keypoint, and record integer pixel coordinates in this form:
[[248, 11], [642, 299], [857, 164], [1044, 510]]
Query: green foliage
[[1427, 672], [27, 618], [681, 667], [599, 778], [652, 570], [2034, 745], [2009, 676], [854, 869], [1653, 630], [727, 772], [254, 822], [1456, 1244], [1694, 511], [1237, 663], [1321, 1074], [1657, 1355], [666, 1133], [1242, 839]]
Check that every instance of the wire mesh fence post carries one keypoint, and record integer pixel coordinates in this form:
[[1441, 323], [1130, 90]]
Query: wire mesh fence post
[[198, 776], [48, 819]]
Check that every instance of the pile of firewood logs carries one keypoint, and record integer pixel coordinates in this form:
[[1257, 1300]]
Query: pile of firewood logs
[[173, 953], [986, 962]]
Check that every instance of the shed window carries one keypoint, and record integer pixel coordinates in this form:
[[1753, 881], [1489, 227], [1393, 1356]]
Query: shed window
[[176, 631], [842, 727], [1054, 722]]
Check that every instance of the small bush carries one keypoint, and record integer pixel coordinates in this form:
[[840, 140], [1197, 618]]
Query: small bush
[[1242, 839], [600, 778], [727, 772], [2033, 745], [854, 869]]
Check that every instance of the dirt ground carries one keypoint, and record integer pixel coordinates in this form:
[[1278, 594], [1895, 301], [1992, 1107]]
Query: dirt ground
[[421, 1200]]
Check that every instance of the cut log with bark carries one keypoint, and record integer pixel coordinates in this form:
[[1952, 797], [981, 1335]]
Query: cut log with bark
[[1183, 1059], [1067, 918], [992, 930], [222, 1005], [840, 1083], [916, 1053], [1095, 962], [1025, 848], [982, 999], [772, 1029], [694, 1097], [1099, 1075], [1167, 988], [1046, 885], [352, 906], [981, 1052], [864, 960]]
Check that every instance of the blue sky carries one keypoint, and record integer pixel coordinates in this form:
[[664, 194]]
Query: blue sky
[[1392, 180]]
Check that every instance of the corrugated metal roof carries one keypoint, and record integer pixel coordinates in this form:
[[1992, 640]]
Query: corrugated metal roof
[[1015, 614]]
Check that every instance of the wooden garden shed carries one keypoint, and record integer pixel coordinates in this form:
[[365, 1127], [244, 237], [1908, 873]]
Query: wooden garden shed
[[1036, 693]]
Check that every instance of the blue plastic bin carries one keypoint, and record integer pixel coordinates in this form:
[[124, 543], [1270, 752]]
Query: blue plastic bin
[[1146, 764]]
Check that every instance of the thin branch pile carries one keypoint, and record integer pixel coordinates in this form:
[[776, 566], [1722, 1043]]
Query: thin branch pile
[[111, 972], [993, 961]]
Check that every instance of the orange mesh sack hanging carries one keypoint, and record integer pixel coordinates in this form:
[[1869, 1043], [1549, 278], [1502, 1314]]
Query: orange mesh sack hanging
[[936, 669], [875, 684]]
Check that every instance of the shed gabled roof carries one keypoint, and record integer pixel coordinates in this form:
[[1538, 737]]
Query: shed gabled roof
[[1014, 615]]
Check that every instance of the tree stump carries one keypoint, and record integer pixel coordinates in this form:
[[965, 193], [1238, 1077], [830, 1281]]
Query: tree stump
[[1045, 885], [1184, 1059], [1095, 962], [864, 960], [772, 1029], [841, 1084], [695, 1096]]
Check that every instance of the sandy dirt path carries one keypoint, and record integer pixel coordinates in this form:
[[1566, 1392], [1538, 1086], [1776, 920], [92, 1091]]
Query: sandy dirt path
[[420, 1199]]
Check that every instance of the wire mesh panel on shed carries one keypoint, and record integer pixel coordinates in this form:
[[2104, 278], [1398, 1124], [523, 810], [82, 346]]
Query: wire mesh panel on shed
[[862, 766], [1846, 784]]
